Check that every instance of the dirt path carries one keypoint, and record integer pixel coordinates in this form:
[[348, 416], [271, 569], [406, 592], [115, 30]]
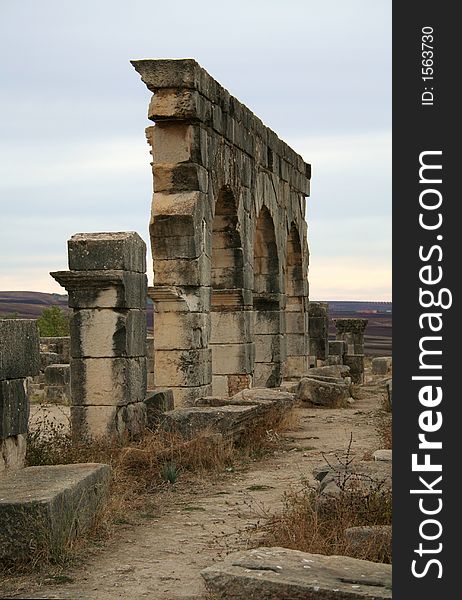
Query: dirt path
[[162, 559]]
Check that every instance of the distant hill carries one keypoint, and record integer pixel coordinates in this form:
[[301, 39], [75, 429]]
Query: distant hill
[[29, 305]]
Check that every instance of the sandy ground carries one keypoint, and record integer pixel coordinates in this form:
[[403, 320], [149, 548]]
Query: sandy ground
[[162, 559]]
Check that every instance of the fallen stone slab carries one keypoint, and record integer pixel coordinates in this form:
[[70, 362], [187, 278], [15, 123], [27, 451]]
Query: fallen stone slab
[[229, 420], [335, 394], [230, 416], [283, 574], [329, 371], [42, 509]]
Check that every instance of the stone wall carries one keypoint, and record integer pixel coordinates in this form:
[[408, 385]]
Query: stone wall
[[228, 237], [19, 359]]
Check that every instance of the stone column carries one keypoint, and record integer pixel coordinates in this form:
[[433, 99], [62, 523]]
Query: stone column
[[182, 357], [351, 331], [107, 289], [318, 330], [19, 359]]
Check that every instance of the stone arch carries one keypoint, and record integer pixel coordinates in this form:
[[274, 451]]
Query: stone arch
[[266, 303], [230, 342], [296, 308]]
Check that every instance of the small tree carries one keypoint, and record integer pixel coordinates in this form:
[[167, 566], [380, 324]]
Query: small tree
[[53, 322]]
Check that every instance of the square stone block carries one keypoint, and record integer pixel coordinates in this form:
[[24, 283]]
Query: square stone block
[[232, 327], [57, 374], [232, 358], [267, 321], [183, 367], [181, 330], [124, 251], [42, 509], [108, 381], [267, 375], [268, 348], [19, 348], [105, 333], [186, 396], [297, 344]]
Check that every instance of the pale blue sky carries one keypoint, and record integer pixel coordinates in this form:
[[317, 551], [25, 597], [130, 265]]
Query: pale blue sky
[[73, 155]]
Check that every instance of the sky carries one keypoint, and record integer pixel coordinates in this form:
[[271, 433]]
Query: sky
[[73, 155]]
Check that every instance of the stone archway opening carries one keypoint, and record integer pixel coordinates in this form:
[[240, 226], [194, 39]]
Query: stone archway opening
[[296, 309], [266, 304], [231, 336]]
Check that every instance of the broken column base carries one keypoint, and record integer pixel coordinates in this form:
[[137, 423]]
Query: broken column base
[[283, 574], [42, 509]]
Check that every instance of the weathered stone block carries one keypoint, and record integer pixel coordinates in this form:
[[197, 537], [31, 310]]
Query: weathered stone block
[[267, 322], [42, 509], [282, 574], [19, 348], [14, 408], [268, 348], [188, 330], [232, 358], [296, 344], [295, 366], [183, 367], [108, 381], [57, 374], [49, 358], [356, 364], [267, 374], [104, 333], [381, 365], [57, 394], [233, 327], [337, 347], [322, 393], [124, 251], [186, 272]]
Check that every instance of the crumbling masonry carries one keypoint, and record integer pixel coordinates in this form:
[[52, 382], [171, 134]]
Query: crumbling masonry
[[228, 238]]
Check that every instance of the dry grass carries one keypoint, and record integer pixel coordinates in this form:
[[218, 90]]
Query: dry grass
[[144, 471], [313, 522]]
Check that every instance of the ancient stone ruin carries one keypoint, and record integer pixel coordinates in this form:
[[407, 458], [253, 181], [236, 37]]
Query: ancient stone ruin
[[42, 508], [232, 317], [228, 237], [107, 293]]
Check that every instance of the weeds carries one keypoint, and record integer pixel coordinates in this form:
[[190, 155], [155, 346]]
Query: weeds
[[314, 522], [141, 471]]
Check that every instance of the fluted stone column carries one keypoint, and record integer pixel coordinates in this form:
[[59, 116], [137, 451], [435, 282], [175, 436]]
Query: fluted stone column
[[19, 359], [351, 332], [107, 289]]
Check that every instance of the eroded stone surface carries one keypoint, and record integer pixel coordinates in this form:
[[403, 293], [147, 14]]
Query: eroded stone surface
[[282, 574], [45, 507]]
